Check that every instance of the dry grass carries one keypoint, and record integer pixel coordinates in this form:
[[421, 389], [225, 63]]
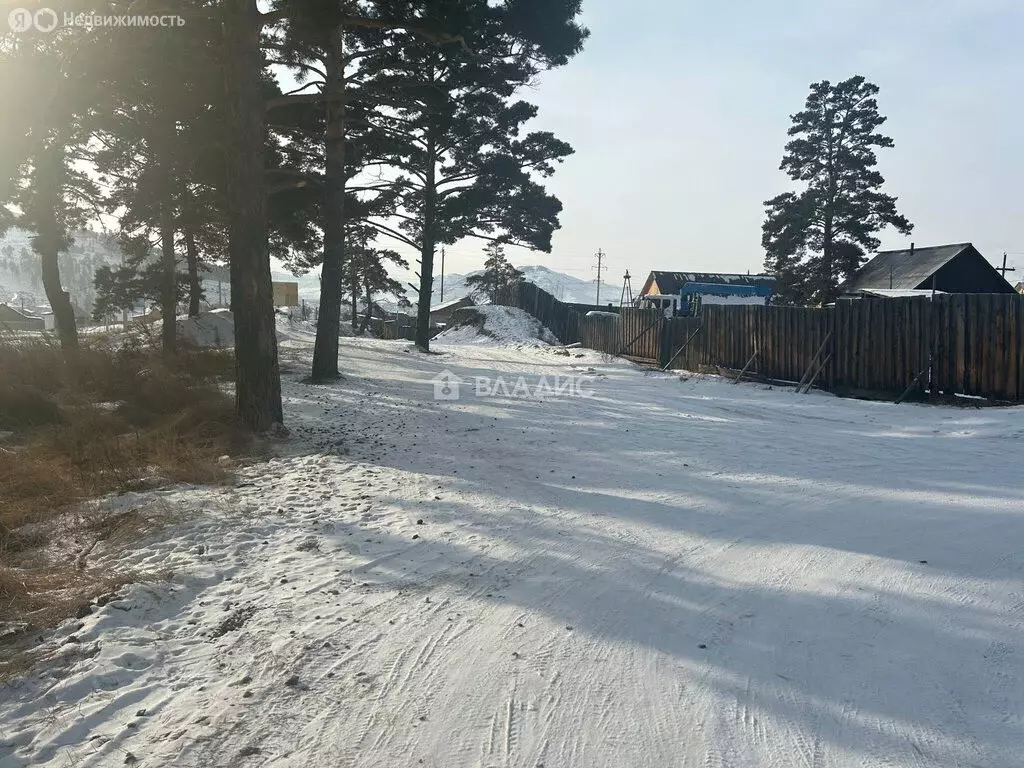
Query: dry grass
[[116, 420]]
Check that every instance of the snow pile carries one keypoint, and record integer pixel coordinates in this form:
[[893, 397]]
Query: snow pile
[[489, 325], [215, 328]]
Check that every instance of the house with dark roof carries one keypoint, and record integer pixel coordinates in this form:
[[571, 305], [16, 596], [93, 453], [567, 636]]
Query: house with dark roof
[[441, 314], [13, 320], [956, 268], [711, 287]]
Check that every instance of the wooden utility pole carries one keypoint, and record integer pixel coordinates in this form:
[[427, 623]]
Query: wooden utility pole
[[1004, 269], [442, 275]]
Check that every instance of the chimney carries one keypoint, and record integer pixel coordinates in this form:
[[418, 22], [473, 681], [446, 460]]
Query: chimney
[[911, 249]]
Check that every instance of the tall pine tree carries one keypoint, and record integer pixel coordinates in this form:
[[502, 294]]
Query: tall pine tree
[[468, 169], [817, 237]]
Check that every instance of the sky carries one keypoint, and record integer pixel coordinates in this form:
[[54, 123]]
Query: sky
[[678, 112]]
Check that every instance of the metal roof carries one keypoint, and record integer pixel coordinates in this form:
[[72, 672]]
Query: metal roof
[[907, 269], [895, 293], [458, 303], [670, 283]]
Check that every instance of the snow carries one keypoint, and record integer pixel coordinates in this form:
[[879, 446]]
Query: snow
[[710, 298], [215, 328], [674, 572], [897, 293], [501, 325]]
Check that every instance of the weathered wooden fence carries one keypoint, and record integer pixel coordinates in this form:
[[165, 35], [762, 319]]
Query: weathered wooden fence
[[970, 344]]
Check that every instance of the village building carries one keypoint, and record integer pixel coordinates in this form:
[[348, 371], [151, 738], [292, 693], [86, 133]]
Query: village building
[[955, 268]]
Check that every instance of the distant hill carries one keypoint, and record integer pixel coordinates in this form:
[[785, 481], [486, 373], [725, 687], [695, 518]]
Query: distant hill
[[563, 287], [21, 279]]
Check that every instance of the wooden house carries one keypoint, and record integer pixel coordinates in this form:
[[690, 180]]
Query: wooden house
[[956, 268]]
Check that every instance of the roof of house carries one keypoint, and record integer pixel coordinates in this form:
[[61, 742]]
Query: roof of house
[[894, 293], [464, 301], [670, 283], [906, 269], [11, 314]]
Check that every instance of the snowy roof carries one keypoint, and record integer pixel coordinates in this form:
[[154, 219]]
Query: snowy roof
[[906, 269], [463, 301], [11, 314], [895, 293], [670, 283]]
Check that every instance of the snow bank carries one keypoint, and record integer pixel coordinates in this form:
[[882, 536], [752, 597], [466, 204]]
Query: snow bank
[[215, 328], [494, 325]]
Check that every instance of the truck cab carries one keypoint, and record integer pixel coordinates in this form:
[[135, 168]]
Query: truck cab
[[671, 306], [665, 303]]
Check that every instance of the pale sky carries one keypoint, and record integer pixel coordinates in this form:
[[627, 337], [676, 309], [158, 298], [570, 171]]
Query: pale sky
[[678, 112]]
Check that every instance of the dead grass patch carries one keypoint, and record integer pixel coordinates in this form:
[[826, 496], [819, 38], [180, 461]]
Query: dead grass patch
[[118, 419]]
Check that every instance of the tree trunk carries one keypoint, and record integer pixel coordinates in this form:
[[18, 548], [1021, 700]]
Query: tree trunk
[[169, 278], [369, 304], [60, 301], [427, 249], [195, 286], [826, 286], [328, 328], [257, 374], [50, 240], [355, 302]]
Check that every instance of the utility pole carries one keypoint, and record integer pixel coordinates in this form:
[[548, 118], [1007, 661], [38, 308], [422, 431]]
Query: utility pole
[[599, 268], [1004, 269]]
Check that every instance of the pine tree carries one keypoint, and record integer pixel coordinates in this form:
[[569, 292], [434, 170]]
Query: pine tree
[[258, 382], [467, 169], [498, 274], [40, 172], [817, 237]]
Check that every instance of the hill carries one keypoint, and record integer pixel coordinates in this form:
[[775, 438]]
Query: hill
[[560, 285], [21, 279]]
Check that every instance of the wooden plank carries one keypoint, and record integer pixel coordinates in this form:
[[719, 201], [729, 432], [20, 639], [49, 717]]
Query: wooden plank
[[1020, 349]]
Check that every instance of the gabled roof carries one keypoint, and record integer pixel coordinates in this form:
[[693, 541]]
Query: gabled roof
[[894, 293], [670, 283], [463, 301], [11, 314], [908, 269]]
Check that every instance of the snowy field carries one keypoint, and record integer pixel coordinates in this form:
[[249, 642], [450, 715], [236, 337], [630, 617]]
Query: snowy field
[[669, 573]]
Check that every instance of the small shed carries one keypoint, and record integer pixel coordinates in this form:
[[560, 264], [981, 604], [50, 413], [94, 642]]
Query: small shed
[[955, 268], [442, 313]]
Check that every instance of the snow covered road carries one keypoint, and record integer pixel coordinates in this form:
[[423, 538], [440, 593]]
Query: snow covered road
[[669, 573]]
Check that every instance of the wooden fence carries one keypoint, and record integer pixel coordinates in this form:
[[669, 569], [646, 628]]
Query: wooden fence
[[968, 344]]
